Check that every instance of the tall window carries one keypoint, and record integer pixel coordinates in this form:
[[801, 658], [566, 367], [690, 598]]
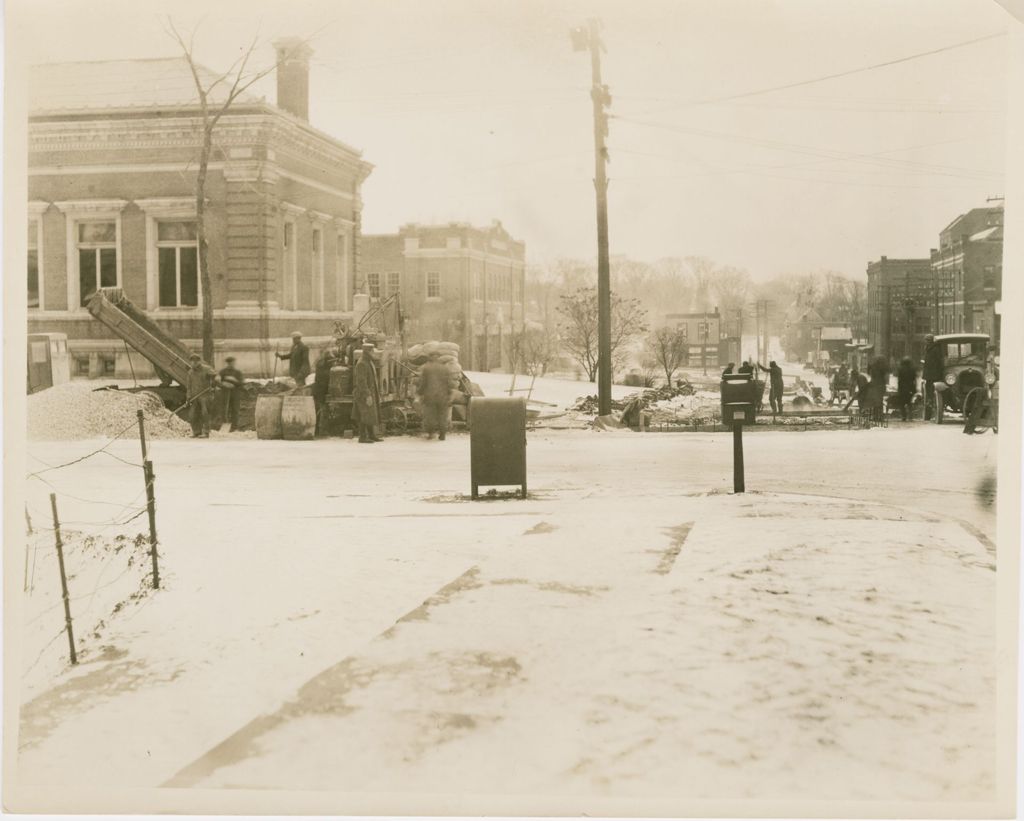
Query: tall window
[[290, 283], [33, 264], [373, 285], [433, 285], [341, 273], [478, 285], [97, 258], [178, 264], [317, 273], [394, 282]]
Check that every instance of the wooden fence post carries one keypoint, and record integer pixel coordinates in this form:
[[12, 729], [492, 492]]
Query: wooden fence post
[[151, 510], [63, 579], [148, 478]]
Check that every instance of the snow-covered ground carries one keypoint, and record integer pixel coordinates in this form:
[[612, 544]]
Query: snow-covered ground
[[335, 616]]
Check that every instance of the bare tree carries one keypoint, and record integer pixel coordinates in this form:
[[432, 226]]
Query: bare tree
[[579, 327], [668, 348], [731, 286], [237, 79]]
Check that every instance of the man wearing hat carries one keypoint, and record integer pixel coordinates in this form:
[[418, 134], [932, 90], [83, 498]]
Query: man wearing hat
[[198, 391], [365, 396], [931, 373], [231, 381], [298, 360]]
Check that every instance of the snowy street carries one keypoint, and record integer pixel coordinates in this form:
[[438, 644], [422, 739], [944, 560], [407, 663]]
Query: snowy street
[[631, 629]]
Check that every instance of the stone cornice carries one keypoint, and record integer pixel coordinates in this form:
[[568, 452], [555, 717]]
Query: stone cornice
[[275, 131], [37, 207], [91, 206], [166, 204]]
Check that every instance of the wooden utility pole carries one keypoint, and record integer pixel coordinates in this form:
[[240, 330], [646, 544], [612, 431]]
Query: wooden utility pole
[[63, 579], [584, 39]]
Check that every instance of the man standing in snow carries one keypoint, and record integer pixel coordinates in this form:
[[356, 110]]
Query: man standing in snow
[[435, 396], [298, 360], [932, 373], [906, 386], [198, 390], [231, 381], [774, 385], [366, 396]]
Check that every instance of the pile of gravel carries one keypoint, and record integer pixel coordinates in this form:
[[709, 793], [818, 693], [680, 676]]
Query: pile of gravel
[[76, 410]]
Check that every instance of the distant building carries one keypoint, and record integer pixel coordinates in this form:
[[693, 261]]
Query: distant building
[[457, 283], [967, 269], [802, 333], [833, 341], [901, 300], [112, 164], [703, 335]]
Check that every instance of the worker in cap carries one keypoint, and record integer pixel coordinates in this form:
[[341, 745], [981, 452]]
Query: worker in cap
[[434, 391], [231, 381], [932, 373], [199, 385], [298, 360], [366, 396]]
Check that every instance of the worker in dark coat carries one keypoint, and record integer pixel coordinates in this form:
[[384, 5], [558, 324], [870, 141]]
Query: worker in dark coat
[[774, 385], [858, 389], [321, 383], [746, 367], [435, 398], [231, 382], [906, 386], [728, 369], [366, 396], [298, 360], [878, 370], [199, 385], [934, 367]]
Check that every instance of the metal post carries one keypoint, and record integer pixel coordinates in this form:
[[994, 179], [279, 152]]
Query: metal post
[[147, 467], [738, 485], [63, 579]]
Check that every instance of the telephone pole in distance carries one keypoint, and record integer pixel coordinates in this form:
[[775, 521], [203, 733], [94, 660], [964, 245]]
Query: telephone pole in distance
[[582, 40]]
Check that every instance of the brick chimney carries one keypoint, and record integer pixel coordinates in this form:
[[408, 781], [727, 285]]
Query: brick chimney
[[293, 76]]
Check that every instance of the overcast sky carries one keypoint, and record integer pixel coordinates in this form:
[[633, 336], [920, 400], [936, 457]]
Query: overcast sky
[[479, 109]]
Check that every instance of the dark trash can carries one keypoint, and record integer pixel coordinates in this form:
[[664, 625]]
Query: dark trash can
[[497, 443]]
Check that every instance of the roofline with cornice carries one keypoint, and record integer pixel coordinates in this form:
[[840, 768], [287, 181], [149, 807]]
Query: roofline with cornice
[[250, 116], [283, 135]]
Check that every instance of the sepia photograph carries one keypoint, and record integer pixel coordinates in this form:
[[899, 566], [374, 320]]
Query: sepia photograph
[[681, 326]]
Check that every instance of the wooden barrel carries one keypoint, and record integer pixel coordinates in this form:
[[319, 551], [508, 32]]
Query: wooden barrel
[[298, 417], [268, 417]]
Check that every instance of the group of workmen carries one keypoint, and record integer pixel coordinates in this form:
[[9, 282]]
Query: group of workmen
[[749, 367], [868, 389], [204, 387]]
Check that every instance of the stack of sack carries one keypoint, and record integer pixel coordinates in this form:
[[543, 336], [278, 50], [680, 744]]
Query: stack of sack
[[448, 355]]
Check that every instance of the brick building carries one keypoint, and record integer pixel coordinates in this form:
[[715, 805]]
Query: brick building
[[704, 335], [967, 270], [900, 306], [113, 151], [457, 283]]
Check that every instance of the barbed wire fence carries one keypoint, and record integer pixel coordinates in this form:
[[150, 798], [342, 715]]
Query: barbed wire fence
[[83, 540]]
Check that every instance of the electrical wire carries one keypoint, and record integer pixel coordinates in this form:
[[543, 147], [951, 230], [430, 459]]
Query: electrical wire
[[825, 77]]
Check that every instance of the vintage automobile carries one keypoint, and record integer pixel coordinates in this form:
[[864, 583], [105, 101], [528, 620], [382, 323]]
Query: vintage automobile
[[968, 373]]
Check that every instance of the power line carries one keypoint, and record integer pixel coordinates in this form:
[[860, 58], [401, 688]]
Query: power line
[[814, 151], [825, 77]]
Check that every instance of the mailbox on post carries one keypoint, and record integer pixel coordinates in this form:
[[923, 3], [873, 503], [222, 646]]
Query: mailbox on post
[[497, 443], [739, 399], [740, 395]]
